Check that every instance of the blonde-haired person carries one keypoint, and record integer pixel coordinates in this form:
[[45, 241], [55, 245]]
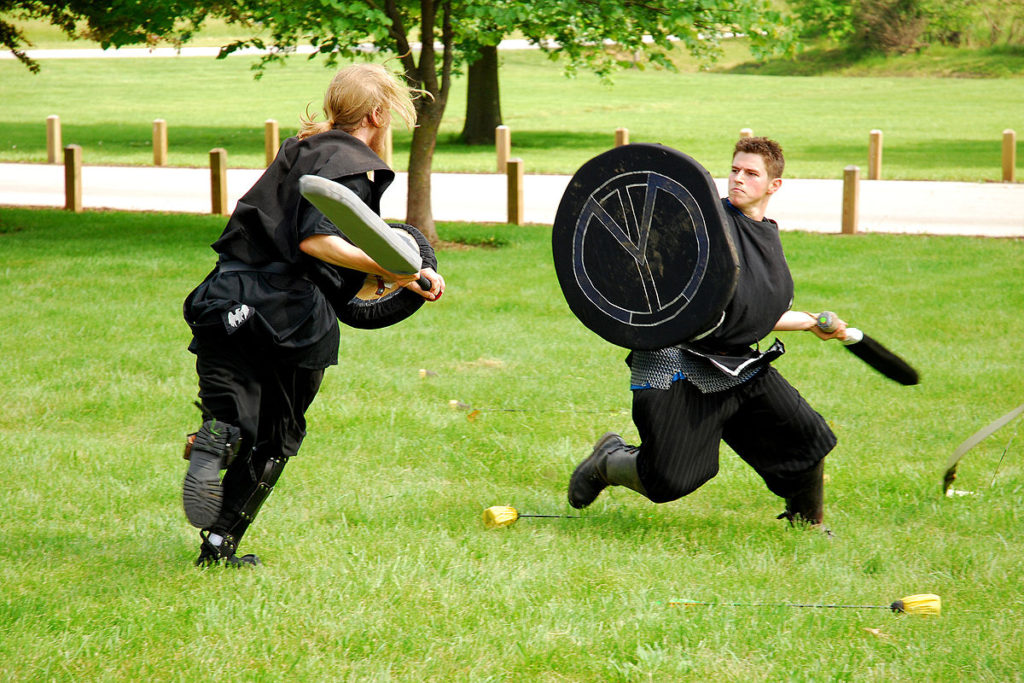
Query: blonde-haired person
[[263, 327]]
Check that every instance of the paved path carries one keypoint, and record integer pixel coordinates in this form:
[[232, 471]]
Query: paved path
[[992, 209], [812, 205]]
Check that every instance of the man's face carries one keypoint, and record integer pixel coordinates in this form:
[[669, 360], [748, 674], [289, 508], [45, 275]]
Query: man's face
[[749, 185]]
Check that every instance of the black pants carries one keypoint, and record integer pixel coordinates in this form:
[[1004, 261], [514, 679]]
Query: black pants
[[268, 402], [765, 420]]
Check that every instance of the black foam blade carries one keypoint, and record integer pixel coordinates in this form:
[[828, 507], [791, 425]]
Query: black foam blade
[[885, 361]]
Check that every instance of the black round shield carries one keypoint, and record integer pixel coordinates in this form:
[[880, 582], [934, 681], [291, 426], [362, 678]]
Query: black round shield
[[642, 249], [380, 304]]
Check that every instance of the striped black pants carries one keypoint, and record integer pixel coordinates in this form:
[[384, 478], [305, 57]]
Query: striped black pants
[[765, 420]]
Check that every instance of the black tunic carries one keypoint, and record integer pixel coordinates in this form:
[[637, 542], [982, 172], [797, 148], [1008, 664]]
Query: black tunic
[[764, 290], [263, 283]]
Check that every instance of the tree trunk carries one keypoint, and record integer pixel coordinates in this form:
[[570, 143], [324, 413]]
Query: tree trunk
[[419, 212], [436, 81], [483, 98]]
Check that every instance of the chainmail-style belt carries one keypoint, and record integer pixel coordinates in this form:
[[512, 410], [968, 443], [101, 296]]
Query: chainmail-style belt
[[658, 369]]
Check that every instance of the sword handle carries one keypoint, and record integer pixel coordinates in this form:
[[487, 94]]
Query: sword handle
[[827, 324]]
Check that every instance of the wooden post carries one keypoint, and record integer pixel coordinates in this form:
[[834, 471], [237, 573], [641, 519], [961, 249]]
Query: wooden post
[[621, 137], [746, 133], [219, 181], [271, 140], [851, 199], [875, 155], [159, 142], [53, 142], [515, 191], [73, 178], [1009, 155], [503, 145]]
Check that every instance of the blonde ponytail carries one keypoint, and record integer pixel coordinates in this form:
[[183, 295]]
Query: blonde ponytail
[[356, 92]]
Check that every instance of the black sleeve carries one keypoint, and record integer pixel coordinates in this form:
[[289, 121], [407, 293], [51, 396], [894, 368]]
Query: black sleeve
[[313, 222]]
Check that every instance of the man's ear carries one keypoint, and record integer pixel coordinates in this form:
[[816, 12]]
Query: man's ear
[[376, 118], [774, 185]]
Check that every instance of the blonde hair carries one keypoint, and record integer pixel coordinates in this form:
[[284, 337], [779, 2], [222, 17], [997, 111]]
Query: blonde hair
[[356, 92]]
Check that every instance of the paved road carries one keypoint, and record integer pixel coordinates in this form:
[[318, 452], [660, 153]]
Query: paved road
[[992, 209]]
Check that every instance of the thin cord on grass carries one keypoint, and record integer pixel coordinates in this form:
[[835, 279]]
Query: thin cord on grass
[[1004, 455]]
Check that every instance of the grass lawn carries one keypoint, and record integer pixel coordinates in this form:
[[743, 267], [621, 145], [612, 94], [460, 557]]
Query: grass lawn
[[935, 128], [377, 566]]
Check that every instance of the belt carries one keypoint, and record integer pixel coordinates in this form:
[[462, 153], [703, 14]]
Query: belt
[[274, 267]]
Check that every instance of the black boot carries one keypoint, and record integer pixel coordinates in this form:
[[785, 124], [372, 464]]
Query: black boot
[[807, 506], [213, 448], [611, 463], [210, 554]]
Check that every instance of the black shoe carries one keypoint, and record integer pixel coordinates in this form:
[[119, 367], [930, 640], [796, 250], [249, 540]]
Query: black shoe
[[210, 555], [589, 479], [202, 493]]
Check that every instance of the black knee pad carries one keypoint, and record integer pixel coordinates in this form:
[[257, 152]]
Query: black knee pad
[[219, 439]]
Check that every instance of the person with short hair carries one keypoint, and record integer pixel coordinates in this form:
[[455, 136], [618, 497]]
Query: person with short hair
[[263, 326], [689, 397]]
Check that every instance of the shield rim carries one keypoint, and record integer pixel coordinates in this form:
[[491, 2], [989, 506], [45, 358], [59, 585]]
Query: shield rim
[[582, 189]]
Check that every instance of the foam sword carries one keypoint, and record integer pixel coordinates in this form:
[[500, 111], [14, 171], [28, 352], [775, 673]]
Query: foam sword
[[363, 227], [871, 351]]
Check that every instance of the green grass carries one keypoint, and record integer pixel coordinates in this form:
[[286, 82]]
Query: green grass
[[377, 565], [935, 128]]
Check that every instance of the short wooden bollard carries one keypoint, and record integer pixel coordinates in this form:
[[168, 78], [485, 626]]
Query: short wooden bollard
[[271, 140], [159, 142], [219, 181], [515, 191], [73, 178], [53, 141], [851, 199], [875, 155], [1009, 155], [746, 133], [503, 146], [621, 137]]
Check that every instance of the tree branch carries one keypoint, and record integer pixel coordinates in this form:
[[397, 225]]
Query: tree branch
[[448, 40], [428, 58], [401, 37]]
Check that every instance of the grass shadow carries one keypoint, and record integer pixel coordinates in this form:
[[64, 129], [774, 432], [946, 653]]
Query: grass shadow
[[815, 62], [1004, 61]]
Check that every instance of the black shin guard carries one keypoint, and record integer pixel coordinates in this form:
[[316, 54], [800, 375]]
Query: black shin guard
[[247, 491], [265, 482], [215, 445]]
